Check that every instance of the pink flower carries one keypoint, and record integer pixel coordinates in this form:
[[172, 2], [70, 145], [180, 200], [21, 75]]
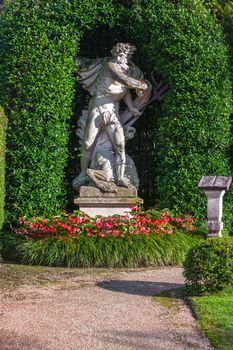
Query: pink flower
[[101, 234]]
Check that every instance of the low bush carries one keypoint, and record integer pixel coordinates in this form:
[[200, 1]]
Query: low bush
[[143, 239], [209, 265]]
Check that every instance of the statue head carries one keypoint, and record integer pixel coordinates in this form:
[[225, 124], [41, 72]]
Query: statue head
[[123, 49]]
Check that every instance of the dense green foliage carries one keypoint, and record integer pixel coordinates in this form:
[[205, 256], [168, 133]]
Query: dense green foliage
[[214, 314], [189, 133], [38, 41], [209, 266], [222, 10], [3, 125], [187, 48], [188, 137]]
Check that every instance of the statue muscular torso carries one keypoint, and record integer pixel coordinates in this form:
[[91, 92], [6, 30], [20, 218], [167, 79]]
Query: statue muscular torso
[[112, 85]]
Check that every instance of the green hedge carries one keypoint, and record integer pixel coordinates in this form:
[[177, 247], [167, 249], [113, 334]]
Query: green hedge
[[38, 41], [180, 42], [186, 47], [222, 10], [3, 125]]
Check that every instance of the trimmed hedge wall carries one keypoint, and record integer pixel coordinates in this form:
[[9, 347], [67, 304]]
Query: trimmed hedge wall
[[185, 46], [3, 125], [180, 42], [222, 10], [38, 40]]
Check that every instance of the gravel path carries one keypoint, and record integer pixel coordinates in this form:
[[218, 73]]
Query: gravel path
[[95, 309]]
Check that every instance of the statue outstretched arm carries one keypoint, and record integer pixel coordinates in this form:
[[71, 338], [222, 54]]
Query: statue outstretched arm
[[128, 81]]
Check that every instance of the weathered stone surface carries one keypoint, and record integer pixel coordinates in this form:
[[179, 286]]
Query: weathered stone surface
[[215, 182], [107, 201], [105, 128], [91, 191], [223, 182], [214, 212], [93, 206], [214, 228], [215, 187], [214, 209], [206, 182], [107, 125]]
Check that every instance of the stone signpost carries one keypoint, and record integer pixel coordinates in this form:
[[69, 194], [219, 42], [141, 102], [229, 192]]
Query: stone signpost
[[215, 188]]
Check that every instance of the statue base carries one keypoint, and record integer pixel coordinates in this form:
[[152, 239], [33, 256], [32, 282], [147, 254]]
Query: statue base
[[94, 202]]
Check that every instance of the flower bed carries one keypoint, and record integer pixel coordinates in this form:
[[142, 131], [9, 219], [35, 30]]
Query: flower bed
[[143, 238], [78, 225]]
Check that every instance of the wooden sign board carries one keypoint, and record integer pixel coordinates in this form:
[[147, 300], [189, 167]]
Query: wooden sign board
[[215, 183]]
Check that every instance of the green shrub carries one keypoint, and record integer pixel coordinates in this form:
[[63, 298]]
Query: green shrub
[[181, 43], [209, 265], [222, 10], [185, 46], [188, 138], [3, 125], [38, 42]]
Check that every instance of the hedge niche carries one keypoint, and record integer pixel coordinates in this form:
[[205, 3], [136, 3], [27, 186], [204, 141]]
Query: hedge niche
[[185, 46], [38, 42], [178, 41], [3, 125]]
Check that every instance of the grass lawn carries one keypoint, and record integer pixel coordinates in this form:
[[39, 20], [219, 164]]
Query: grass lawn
[[215, 315]]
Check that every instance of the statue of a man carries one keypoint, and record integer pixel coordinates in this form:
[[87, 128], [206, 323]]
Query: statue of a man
[[109, 81]]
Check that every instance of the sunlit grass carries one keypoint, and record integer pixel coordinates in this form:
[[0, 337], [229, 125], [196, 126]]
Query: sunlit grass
[[215, 315]]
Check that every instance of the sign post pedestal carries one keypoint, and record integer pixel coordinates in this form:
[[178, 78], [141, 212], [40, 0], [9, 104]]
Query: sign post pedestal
[[215, 188]]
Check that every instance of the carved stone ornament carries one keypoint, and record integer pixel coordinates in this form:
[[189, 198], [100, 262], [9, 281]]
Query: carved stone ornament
[[106, 126]]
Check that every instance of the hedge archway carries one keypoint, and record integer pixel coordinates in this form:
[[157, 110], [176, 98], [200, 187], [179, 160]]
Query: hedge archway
[[180, 42]]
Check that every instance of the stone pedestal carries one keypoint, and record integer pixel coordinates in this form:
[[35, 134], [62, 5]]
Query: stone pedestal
[[215, 188], [94, 202], [214, 213]]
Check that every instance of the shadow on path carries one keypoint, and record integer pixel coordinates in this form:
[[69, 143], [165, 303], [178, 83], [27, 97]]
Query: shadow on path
[[9, 340], [159, 339], [143, 288]]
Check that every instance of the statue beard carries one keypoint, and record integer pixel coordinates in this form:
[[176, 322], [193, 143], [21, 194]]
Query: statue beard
[[123, 67]]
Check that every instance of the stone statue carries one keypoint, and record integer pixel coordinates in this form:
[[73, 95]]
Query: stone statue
[[107, 125]]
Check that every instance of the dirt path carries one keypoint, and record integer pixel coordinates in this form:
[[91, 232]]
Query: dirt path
[[69, 309]]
